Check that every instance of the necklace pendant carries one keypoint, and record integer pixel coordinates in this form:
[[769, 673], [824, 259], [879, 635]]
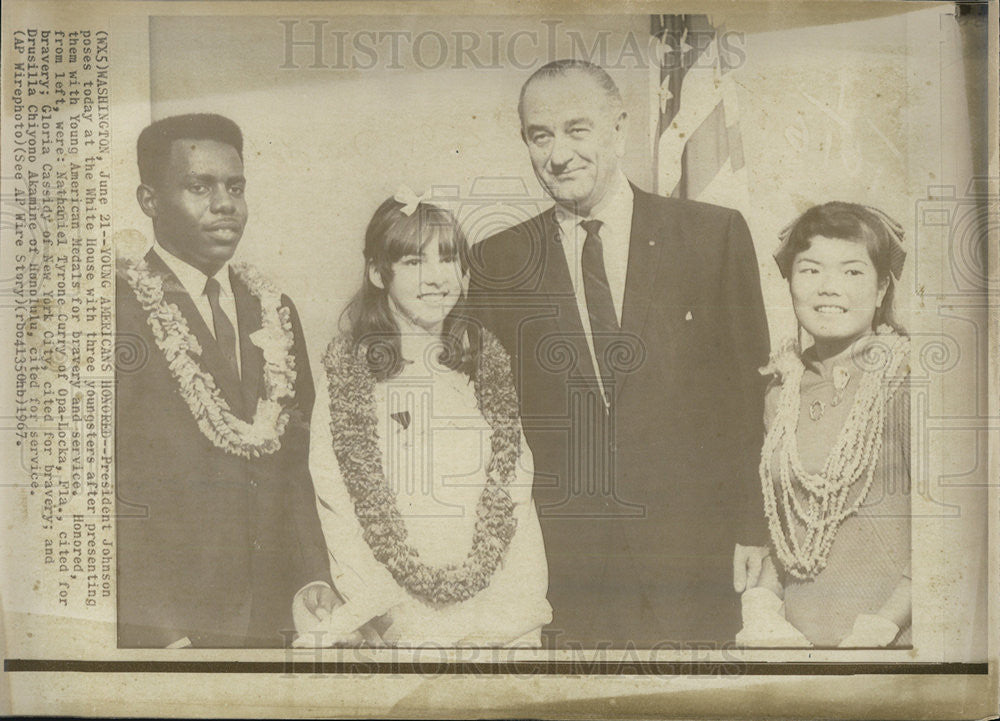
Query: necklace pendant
[[816, 410], [841, 378]]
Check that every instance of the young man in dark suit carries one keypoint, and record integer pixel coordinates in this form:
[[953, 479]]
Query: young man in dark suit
[[636, 328], [219, 543]]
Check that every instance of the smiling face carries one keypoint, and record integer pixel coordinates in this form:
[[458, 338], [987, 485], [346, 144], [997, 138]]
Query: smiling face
[[575, 136], [197, 204], [423, 288], [835, 289]]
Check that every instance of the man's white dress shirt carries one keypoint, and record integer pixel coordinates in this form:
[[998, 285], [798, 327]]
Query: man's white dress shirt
[[615, 213], [193, 281]]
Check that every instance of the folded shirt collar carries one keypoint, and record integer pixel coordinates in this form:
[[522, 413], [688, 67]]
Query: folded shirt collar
[[192, 279], [614, 209]]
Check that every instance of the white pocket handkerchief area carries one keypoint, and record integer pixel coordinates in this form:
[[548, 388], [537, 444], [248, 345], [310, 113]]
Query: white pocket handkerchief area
[[688, 316]]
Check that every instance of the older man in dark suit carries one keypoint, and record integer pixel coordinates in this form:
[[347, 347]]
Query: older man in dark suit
[[636, 329], [219, 543]]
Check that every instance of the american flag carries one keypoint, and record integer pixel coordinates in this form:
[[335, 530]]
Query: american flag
[[697, 148]]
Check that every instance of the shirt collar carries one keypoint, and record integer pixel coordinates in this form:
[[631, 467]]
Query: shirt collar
[[192, 279], [850, 358], [614, 209]]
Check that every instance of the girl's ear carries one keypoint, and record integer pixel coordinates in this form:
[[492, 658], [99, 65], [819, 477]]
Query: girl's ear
[[375, 277], [883, 286]]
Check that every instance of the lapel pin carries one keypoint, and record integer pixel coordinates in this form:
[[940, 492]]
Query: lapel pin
[[688, 316], [652, 243]]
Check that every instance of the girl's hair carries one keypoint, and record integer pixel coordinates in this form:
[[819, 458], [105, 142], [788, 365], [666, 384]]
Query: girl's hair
[[368, 318], [881, 235]]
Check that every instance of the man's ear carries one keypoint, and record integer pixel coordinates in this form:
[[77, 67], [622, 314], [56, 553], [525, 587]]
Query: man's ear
[[375, 277], [621, 133], [146, 196]]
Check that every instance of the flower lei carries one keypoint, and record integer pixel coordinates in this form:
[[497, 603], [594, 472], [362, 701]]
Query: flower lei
[[851, 460], [353, 425], [181, 349]]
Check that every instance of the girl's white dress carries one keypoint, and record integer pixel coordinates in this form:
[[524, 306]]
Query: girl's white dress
[[435, 449]]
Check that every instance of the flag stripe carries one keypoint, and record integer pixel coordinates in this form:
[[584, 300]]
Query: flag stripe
[[698, 101], [704, 154], [698, 146], [735, 146]]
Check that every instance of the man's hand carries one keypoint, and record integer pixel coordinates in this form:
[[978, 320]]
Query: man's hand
[[312, 605], [320, 600], [311, 608], [747, 563]]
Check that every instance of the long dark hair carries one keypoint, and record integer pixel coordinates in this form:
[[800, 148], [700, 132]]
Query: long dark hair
[[881, 235], [369, 320]]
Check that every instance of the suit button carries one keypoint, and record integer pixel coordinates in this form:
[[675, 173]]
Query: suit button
[[257, 545], [253, 482]]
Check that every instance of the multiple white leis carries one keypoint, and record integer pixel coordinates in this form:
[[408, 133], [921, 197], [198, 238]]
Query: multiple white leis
[[820, 501], [181, 349]]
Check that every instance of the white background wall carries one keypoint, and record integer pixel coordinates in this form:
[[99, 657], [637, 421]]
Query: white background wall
[[828, 111]]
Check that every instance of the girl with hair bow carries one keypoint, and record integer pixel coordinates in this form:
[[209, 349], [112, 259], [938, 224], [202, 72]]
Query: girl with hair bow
[[422, 474], [835, 467]]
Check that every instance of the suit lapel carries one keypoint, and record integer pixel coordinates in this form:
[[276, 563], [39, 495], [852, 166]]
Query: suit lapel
[[211, 357], [645, 247], [248, 314], [644, 279]]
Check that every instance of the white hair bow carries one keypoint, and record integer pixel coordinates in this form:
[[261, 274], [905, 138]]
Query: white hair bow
[[409, 199]]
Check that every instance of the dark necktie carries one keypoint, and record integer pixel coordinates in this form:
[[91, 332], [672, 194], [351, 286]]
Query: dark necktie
[[225, 334], [604, 326]]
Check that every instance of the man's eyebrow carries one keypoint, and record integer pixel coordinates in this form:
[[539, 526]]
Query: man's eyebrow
[[208, 178], [579, 121], [535, 128]]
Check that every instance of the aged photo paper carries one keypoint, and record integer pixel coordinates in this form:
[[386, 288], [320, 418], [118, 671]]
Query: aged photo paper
[[427, 359]]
